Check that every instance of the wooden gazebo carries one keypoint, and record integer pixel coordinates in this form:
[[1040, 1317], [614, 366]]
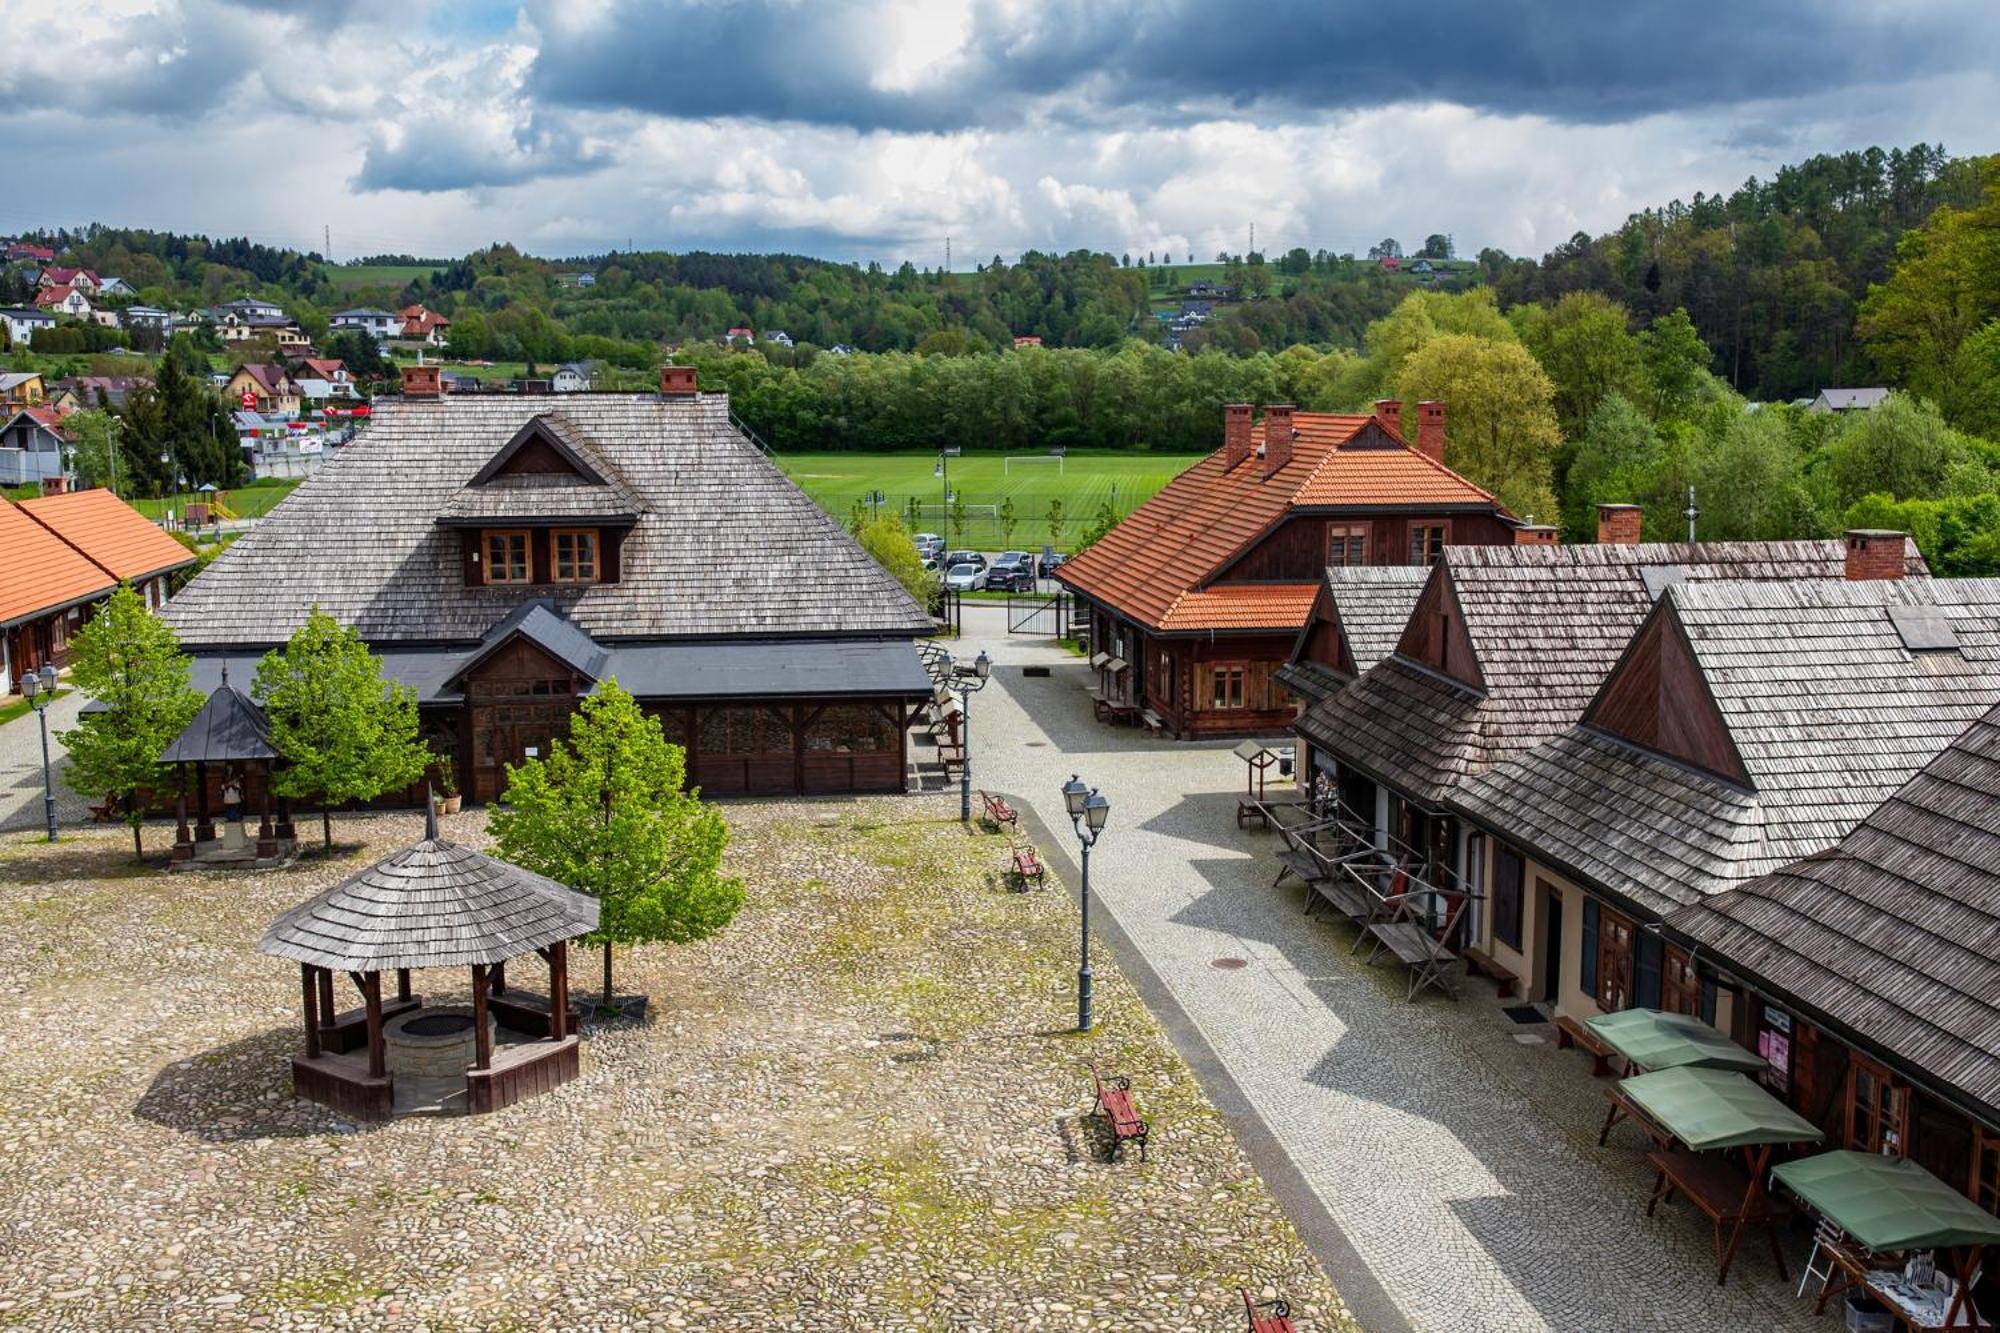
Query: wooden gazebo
[[228, 747], [435, 904]]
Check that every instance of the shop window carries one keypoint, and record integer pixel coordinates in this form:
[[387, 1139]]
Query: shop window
[[1614, 961], [1226, 690], [507, 557], [1681, 986], [575, 555], [1508, 869], [1878, 1109], [1774, 1043], [1347, 544], [1426, 543]]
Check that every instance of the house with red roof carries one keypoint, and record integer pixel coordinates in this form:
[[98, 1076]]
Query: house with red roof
[[83, 279], [1196, 599], [63, 301], [24, 250], [425, 326], [264, 389]]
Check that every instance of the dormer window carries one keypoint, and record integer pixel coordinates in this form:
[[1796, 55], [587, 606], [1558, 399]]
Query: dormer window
[[507, 557], [575, 552]]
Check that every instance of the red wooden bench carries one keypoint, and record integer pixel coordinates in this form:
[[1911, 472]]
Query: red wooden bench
[[1279, 1320], [1027, 865], [998, 812], [1114, 1103], [107, 813]]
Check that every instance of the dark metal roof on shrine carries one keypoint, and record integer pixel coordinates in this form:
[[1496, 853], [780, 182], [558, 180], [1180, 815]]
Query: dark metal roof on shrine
[[1546, 624], [725, 544], [230, 728], [1826, 706], [436, 904], [1893, 933]]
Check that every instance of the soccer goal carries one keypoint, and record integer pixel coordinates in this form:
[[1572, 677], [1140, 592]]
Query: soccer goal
[[1052, 456]]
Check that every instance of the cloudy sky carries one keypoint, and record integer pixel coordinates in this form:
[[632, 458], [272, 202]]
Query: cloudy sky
[[874, 129]]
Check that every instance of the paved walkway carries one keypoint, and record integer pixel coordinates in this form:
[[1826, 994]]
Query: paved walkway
[[21, 768], [1452, 1152]]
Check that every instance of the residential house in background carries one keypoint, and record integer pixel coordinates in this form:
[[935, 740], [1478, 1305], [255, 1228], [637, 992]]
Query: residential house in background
[[424, 326], [739, 335], [82, 279], [63, 301], [1027, 340], [318, 378], [95, 390], [21, 388], [573, 377], [22, 324], [380, 325], [147, 319], [27, 251], [576, 280], [1198, 597], [1847, 400], [115, 287], [264, 389], [32, 441], [778, 336], [245, 307], [505, 555]]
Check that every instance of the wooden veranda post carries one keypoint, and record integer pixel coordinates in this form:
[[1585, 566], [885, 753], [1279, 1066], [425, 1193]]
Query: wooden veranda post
[[326, 1010], [559, 989], [310, 991], [378, 1064], [402, 983], [482, 1041]]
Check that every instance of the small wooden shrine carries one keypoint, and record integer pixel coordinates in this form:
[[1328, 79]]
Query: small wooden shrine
[[227, 752]]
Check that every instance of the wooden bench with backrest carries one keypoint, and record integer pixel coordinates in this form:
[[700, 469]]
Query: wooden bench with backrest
[[1267, 1316], [998, 812], [1114, 1103], [1486, 965], [1569, 1032], [109, 812], [1026, 865]]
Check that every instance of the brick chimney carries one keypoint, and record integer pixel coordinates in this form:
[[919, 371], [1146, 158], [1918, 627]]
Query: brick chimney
[[1389, 411], [677, 382], [1535, 534], [1874, 553], [1430, 430], [422, 382], [1278, 435], [1618, 525], [1235, 434]]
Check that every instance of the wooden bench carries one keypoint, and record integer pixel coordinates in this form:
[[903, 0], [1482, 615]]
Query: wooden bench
[[951, 755], [1478, 960], [1153, 721], [998, 812], [1114, 1103], [1569, 1033], [107, 813], [1277, 1320], [1026, 865]]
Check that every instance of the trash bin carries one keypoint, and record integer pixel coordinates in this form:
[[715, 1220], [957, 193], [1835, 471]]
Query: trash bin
[[1866, 1315]]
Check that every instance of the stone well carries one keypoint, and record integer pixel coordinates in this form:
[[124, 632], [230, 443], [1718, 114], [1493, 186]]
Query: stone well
[[432, 1042]]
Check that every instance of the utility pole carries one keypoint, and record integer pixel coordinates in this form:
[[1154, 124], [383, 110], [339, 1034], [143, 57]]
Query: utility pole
[[327, 232], [1253, 243], [947, 254]]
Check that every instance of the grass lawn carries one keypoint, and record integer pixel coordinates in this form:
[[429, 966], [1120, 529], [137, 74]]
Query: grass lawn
[[349, 279], [1086, 480], [22, 707], [252, 501], [860, 1106]]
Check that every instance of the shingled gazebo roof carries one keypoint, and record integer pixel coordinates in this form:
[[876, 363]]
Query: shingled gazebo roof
[[435, 904], [230, 728]]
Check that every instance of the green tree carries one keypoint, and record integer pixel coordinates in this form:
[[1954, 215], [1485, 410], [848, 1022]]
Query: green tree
[[1009, 520], [1676, 362], [1751, 483], [1057, 520], [1102, 522], [913, 513], [889, 542], [1581, 341], [1616, 462], [95, 432], [1945, 286], [346, 734], [958, 519], [857, 518], [1500, 426], [606, 814], [1902, 449], [129, 660]]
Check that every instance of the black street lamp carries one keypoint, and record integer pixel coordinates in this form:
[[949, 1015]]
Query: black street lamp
[[1088, 809], [39, 687], [971, 680]]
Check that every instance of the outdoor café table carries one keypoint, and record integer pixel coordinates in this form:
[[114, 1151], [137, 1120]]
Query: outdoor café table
[[1722, 1192], [1651, 1039]]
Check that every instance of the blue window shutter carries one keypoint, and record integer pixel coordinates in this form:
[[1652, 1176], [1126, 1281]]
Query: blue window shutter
[[1646, 970], [1708, 1000], [1589, 960]]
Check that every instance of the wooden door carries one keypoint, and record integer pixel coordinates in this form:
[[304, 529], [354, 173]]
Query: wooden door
[[1614, 961]]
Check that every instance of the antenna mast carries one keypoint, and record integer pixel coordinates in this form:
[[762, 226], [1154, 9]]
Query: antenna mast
[[1691, 514], [947, 254]]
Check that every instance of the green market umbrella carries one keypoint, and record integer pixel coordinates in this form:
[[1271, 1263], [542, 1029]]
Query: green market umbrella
[[1651, 1039], [1888, 1204], [1716, 1108]]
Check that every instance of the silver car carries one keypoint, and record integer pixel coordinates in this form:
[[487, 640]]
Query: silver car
[[965, 578]]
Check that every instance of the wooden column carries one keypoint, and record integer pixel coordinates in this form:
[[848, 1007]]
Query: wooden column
[[482, 1041], [326, 1009], [496, 978], [402, 983], [311, 996], [559, 990], [377, 1057], [204, 828], [267, 833]]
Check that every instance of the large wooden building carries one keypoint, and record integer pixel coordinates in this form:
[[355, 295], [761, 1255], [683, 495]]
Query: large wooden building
[[1197, 598], [505, 556]]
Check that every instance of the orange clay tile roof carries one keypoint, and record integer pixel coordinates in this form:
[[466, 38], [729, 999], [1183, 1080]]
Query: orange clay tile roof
[[110, 533], [1175, 542], [43, 573], [1242, 606]]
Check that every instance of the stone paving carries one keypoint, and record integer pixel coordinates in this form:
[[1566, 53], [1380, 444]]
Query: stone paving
[[21, 767], [1455, 1154], [862, 1107]]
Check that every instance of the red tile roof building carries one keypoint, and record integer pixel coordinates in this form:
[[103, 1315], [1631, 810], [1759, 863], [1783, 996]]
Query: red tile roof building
[[1197, 597]]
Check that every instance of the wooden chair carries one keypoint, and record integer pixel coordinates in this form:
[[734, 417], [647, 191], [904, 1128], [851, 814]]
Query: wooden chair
[[1267, 1316], [1114, 1103]]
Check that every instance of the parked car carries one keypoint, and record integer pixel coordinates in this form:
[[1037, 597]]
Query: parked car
[[1013, 571], [973, 558], [1049, 563], [928, 544], [965, 577]]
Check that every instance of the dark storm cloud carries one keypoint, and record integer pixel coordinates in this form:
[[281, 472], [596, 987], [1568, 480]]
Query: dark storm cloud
[[1585, 61]]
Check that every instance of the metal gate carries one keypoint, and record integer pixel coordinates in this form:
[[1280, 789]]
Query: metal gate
[[1049, 614]]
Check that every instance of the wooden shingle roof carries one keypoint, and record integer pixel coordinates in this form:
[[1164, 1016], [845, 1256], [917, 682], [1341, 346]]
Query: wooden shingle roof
[[1546, 625], [1372, 604], [1181, 538], [436, 904], [1893, 933], [1825, 706], [726, 544]]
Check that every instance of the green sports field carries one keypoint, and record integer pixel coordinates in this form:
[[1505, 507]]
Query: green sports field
[[1085, 480]]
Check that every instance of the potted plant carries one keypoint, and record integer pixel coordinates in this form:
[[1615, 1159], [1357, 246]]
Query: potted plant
[[447, 785]]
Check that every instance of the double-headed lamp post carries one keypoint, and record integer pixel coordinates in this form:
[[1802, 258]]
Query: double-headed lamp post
[[39, 687], [971, 680], [1088, 809]]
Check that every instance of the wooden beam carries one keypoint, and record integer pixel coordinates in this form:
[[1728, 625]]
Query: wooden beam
[[378, 1064], [326, 1009], [482, 1041], [497, 978], [402, 983], [558, 956], [310, 989]]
